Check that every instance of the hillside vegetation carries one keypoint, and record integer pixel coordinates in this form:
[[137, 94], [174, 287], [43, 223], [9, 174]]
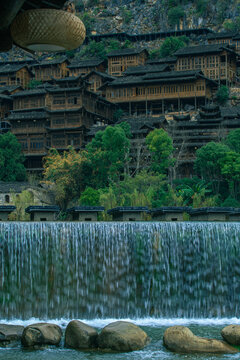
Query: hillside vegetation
[[140, 16]]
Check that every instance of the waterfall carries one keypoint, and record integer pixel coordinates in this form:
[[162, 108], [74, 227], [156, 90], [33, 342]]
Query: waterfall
[[89, 270]]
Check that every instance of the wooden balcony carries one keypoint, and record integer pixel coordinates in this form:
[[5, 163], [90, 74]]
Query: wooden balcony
[[158, 97]]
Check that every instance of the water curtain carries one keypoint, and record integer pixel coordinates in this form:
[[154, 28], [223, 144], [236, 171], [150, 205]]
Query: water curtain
[[89, 270]]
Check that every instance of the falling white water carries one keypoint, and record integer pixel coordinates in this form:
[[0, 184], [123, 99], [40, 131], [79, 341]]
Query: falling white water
[[119, 270]]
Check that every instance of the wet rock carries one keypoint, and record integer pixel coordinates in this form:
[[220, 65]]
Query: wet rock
[[9, 333], [231, 334], [181, 339], [41, 334], [122, 336], [80, 336]]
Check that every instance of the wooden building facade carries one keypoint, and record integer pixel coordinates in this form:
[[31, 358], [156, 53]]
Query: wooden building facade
[[84, 67], [217, 62], [46, 70], [54, 116], [15, 75], [155, 93], [120, 60]]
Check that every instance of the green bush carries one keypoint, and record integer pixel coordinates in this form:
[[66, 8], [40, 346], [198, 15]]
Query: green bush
[[222, 95]]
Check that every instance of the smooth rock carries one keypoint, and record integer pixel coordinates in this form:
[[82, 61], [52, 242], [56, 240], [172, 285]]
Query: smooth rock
[[10, 333], [122, 336], [231, 334], [80, 336], [41, 334], [181, 339]]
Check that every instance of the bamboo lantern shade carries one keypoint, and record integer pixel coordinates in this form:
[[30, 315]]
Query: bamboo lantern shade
[[48, 30]]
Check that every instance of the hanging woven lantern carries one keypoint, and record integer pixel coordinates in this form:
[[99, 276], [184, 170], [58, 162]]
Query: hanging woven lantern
[[48, 30]]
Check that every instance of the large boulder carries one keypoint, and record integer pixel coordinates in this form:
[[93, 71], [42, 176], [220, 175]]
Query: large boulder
[[9, 333], [231, 334], [122, 336], [41, 334], [80, 336], [181, 339]]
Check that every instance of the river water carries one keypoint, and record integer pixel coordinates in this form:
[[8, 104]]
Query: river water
[[161, 274]]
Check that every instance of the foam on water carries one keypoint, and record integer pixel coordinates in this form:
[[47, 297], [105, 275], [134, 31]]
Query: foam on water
[[149, 322]]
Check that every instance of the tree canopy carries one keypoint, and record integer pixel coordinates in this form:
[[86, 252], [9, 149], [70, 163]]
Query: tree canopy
[[161, 148], [11, 159]]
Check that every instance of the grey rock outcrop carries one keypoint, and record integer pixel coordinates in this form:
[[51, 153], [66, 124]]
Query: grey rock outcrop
[[80, 336], [41, 334], [9, 333], [231, 334], [181, 339], [122, 336]]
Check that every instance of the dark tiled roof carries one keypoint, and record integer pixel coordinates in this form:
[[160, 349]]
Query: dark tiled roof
[[51, 62], [86, 63], [202, 49], [56, 89], [85, 209], [167, 60], [121, 209], [7, 69], [167, 209], [163, 77], [101, 74], [27, 115], [7, 208], [209, 210], [140, 70], [221, 35], [143, 121], [10, 88], [64, 110], [5, 97], [37, 91], [123, 52], [49, 208], [68, 78]]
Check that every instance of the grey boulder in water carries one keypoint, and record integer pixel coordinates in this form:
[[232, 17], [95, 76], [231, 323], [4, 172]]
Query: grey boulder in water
[[122, 336], [181, 339], [80, 336], [231, 334], [9, 333], [41, 334]]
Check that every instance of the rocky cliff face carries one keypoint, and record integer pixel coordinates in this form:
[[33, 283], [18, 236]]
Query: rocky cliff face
[[140, 16]]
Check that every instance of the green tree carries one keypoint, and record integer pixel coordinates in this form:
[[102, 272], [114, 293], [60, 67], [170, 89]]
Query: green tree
[[174, 15], [108, 154], [21, 201], [11, 159], [208, 163], [233, 140], [172, 44], [90, 197], [34, 83], [161, 148], [64, 173], [222, 95], [230, 169], [88, 21]]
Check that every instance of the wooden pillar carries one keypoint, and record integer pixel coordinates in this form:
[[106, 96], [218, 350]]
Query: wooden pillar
[[195, 98], [163, 106], [130, 108]]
